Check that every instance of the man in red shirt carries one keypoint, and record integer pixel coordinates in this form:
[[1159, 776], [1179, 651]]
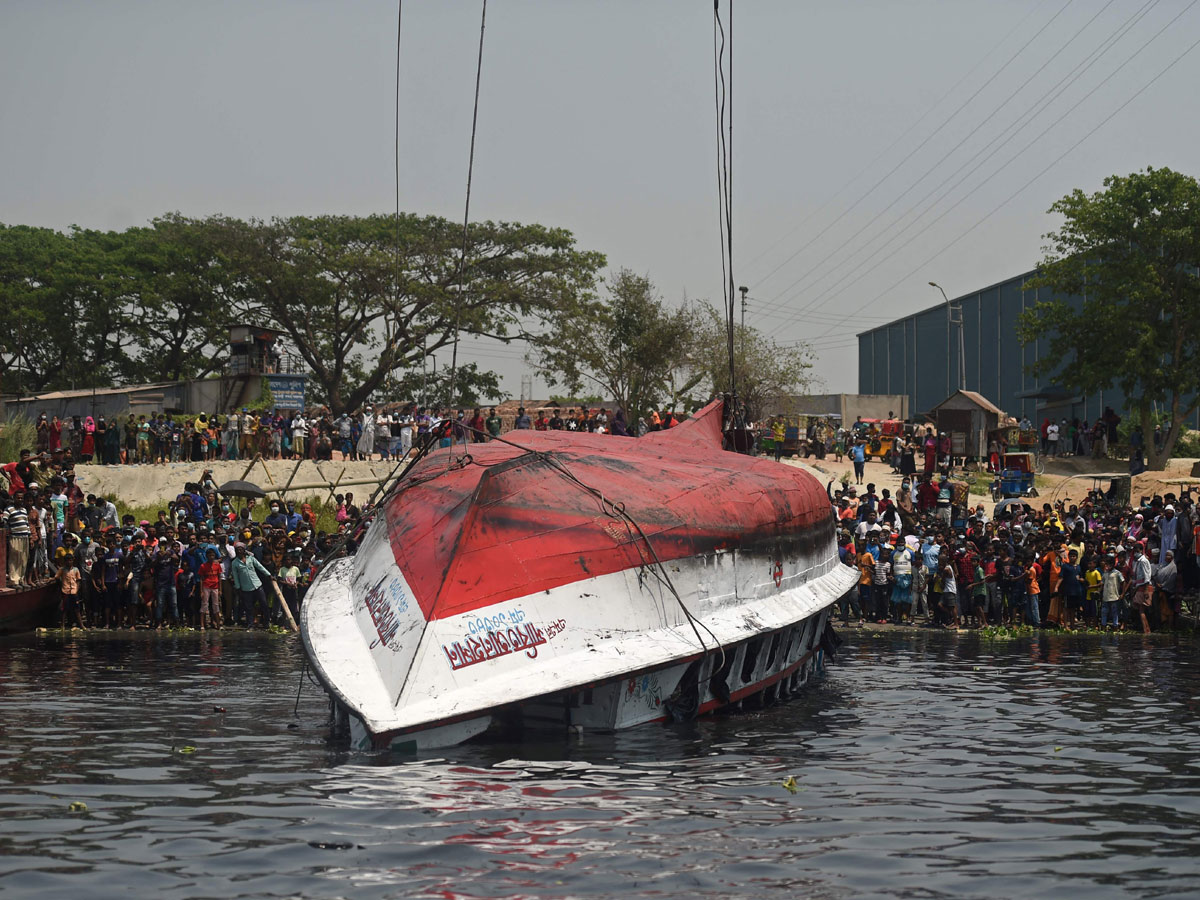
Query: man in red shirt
[[927, 494], [210, 590]]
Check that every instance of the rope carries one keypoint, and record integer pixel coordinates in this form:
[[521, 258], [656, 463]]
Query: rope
[[617, 510], [462, 261], [723, 100], [396, 268]]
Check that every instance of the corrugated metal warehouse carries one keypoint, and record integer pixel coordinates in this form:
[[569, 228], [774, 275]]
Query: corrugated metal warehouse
[[918, 355]]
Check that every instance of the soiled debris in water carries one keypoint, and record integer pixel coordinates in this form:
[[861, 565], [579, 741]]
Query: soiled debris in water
[[78, 806], [187, 748], [790, 785], [218, 709], [331, 845], [1057, 749]]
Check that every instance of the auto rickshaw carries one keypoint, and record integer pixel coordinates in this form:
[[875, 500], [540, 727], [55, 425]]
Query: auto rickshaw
[[881, 436], [793, 443], [1016, 476]]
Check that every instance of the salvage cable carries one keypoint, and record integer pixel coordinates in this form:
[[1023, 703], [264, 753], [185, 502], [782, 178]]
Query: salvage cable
[[617, 510], [462, 260]]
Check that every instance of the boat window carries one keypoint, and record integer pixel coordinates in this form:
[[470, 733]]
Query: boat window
[[750, 660], [774, 651]]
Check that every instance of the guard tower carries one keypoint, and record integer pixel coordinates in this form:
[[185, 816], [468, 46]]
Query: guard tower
[[256, 355], [252, 350]]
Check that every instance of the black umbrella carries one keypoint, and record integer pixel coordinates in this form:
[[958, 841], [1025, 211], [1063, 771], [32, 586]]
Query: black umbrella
[[1005, 504], [241, 489]]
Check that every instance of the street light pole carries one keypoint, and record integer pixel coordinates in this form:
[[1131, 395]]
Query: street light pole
[[953, 317]]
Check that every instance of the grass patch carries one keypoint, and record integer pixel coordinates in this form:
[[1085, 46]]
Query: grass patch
[[325, 513], [16, 434], [1008, 632]]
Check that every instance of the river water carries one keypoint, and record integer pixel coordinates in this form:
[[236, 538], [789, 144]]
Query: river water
[[926, 765]]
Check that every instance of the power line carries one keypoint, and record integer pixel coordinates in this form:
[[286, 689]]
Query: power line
[[1043, 102], [921, 145], [991, 115], [862, 274], [928, 112], [1028, 183]]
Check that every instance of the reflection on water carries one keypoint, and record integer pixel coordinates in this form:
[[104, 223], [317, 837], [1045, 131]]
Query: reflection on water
[[927, 765]]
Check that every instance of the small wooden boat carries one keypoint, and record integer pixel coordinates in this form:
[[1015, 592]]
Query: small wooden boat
[[27, 607]]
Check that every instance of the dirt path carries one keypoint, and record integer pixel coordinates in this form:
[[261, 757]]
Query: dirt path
[[1062, 478]]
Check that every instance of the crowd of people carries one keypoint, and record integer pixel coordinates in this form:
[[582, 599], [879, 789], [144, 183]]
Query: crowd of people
[[386, 433], [206, 561], [1099, 564]]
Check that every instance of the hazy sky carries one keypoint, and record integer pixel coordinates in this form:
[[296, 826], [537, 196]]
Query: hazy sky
[[858, 128]]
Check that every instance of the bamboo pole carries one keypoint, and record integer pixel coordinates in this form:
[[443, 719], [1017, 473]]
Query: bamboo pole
[[265, 469], [287, 613], [253, 460], [321, 485], [299, 462]]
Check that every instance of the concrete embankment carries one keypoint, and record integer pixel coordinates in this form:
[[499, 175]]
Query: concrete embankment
[[146, 485]]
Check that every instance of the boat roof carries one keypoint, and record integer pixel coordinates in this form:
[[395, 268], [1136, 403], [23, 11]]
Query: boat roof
[[546, 508]]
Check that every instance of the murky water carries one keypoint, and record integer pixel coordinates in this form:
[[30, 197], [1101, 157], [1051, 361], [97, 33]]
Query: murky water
[[926, 765]]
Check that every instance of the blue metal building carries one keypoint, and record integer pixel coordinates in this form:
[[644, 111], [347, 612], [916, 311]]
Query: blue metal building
[[918, 355]]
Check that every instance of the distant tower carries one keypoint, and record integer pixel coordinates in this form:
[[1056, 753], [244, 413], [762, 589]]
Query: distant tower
[[526, 389]]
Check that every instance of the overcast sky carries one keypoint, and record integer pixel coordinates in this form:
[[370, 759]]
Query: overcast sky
[[851, 120]]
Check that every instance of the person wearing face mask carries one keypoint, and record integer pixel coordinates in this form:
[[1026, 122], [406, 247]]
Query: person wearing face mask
[[1140, 584], [277, 518]]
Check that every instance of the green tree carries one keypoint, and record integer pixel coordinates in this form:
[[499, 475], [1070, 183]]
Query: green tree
[[1131, 251], [63, 313], [365, 298], [768, 373], [183, 298], [31, 328], [472, 387], [629, 344]]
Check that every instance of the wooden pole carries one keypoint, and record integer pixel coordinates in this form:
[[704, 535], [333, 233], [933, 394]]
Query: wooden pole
[[287, 613], [291, 477], [253, 460], [320, 485], [265, 469]]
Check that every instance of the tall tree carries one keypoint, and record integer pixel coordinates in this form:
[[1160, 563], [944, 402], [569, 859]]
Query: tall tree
[[362, 298], [63, 317], [1131, 252], [183, 298], [768, 373], [628, 345]]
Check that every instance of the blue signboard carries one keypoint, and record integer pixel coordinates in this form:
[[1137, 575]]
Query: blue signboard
[[287, 391]]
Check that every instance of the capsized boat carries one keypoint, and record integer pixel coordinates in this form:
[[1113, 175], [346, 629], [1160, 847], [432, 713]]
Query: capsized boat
[[576, 581]]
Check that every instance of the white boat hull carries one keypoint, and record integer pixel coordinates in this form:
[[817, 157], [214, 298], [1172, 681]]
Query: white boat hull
[[603, 653]]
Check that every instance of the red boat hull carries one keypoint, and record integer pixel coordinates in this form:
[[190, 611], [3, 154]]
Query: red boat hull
[[25, 609]]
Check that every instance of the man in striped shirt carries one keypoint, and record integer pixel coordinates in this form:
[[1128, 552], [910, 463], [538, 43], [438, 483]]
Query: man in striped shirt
[[16, 521]]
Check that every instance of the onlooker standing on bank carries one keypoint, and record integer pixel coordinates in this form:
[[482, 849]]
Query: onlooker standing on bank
[[16, 521]]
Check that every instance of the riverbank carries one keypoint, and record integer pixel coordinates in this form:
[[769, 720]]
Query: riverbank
[[1067, 478], [150, 485]]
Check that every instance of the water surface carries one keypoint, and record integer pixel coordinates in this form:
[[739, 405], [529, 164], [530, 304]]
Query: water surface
[[926, 765]]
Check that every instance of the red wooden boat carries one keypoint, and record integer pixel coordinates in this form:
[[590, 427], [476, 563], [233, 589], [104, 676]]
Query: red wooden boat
[[26, 607]]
